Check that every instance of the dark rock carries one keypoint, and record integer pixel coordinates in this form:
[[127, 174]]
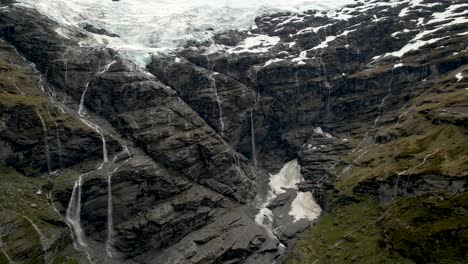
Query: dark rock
[[279, 201], [99, 31]]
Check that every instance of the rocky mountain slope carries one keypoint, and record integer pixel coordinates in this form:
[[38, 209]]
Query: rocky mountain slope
[[367, 106]]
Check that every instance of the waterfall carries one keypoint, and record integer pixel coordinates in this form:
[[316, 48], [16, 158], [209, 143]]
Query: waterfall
[[327, 84], [110, 210], [106, 68], [252, 139], [73, 216], [109, 217], [46, 143], [96, 128], [105, 157], [81, 107], [218, 100], [59, 143]]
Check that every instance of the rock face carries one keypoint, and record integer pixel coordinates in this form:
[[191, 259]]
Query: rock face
[[168, 164], [222, 101], [171, 173]]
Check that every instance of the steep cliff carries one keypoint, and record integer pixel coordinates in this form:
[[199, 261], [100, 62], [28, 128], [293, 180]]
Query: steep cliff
[[103, 161]]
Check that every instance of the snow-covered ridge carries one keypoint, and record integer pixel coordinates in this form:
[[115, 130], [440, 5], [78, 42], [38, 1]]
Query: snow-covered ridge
[[149, 26]]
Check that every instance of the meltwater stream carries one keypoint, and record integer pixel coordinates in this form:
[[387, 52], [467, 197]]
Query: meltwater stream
[[146, 26]]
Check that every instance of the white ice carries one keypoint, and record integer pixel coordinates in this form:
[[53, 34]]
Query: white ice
[[272, 61], [287, 178], [302, 207], [146, 26], [440, 20], [318, 130], [256, 44]]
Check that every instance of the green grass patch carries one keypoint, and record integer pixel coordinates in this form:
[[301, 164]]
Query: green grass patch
[[348, 234], [429, 229]]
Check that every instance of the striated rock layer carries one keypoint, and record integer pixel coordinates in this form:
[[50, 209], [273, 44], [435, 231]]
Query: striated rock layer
[[105, 162]]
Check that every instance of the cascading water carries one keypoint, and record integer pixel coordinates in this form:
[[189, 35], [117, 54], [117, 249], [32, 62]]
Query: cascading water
[[59, 142], [105, 157], [81, 107], [73, 215], [46, 141], [110, 211], [110, 219], [218, 101], [252, 139], [106, 68], [74, 208], [327, 84]]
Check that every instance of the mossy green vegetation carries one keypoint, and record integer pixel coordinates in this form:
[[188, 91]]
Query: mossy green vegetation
[[429, 229], [347, 234], [21, 241], [29, 225], [24, 196], [428, 138], [3, 259], [21, 203]]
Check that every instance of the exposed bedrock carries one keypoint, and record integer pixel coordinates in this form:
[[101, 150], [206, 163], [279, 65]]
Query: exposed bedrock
[[169, 162], [187, 176]]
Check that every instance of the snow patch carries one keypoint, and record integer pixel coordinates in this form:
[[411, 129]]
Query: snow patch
[[256, 44], [448, 17], [287, 178], [329, 39], [302, 56], [144, 26], [272, 61], [304, 207], [318, 130]]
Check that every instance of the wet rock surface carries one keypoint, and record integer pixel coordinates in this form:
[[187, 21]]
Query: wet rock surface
[[182, 150]]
